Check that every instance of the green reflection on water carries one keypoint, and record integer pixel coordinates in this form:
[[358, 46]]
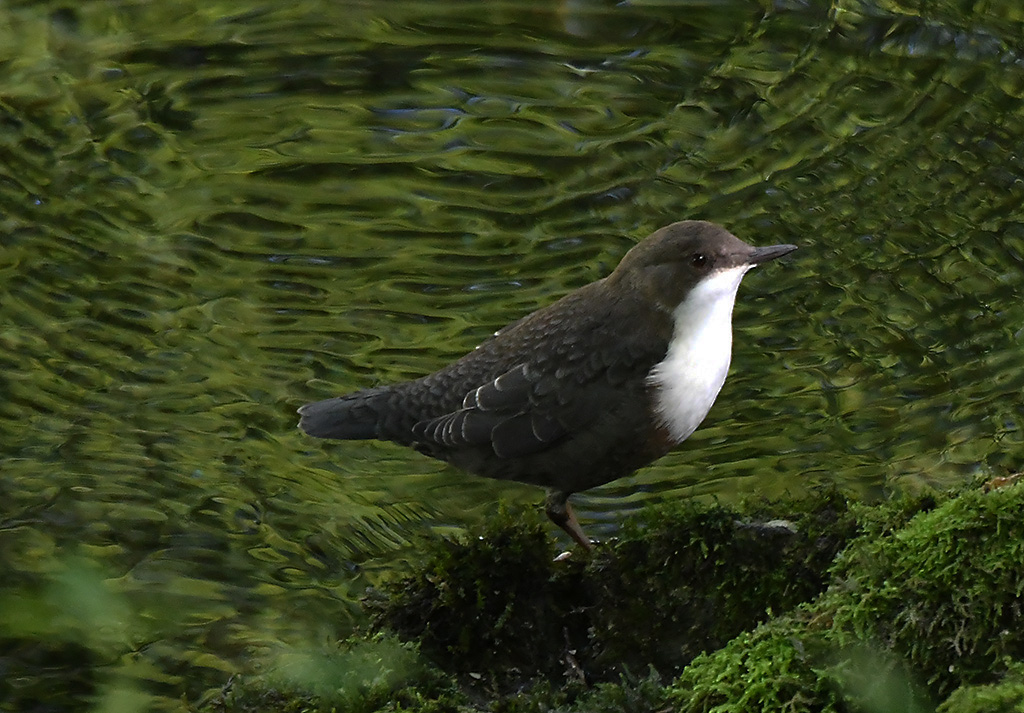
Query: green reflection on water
[[209, 215]]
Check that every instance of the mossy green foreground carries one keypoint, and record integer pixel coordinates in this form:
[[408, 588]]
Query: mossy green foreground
[[812, 605]]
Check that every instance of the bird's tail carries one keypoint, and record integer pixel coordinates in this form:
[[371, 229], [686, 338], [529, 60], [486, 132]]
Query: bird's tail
[[350, 418]]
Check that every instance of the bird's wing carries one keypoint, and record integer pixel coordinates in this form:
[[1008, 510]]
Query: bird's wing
[[574, 371], [517, 414]]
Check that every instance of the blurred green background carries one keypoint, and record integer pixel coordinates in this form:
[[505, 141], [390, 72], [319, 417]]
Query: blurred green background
[[211, 213]]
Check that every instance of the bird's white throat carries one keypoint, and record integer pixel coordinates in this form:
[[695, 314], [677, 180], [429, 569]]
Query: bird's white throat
[[687, 381]]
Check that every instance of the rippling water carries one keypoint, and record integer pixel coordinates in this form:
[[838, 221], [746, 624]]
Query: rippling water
[[210, 214]]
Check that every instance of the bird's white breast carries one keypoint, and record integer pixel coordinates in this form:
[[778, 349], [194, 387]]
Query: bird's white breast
[[687, 381]]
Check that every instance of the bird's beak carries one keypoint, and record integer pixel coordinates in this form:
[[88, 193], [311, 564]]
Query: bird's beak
[[769, 252]]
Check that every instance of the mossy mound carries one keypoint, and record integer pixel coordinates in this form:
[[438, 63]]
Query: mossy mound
[[944, 592], [1005, 696], [912, 613], [492, 603], [768, 669], [793, 664], [686, 578], [681, 580], [360, 675], [924, 604]]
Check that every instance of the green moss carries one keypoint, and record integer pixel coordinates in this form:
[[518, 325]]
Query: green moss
[[685, 579], [796, 664], [914, 611], [490, 604], [883, 518], [1006, 696], [923, 601], [768, 669], [942, 592], [681, 580], [787, 665], [355, 676]]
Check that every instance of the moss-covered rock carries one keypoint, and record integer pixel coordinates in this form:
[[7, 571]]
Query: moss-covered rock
[[944, 592], [795, 664], [913, 612], [360, 675], [925, 602], [686, 579], [768, 669], [491, 605], [1006, 696], [681, 580]]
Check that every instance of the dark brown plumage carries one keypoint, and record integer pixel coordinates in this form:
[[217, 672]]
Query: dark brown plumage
[[562, 398]]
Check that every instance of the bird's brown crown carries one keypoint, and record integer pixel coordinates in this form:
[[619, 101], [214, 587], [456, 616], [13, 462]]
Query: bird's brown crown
[[669, 262]]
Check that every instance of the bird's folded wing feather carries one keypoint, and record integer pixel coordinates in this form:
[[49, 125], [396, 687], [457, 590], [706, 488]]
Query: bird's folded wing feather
[[517, 414]]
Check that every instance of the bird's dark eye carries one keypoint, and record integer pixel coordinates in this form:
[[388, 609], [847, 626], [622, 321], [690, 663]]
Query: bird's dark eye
[[698, 260]]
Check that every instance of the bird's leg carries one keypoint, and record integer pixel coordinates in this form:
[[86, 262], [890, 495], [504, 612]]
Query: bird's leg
[[558, 509]]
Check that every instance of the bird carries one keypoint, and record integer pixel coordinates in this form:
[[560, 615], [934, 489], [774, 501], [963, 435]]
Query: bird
[[584, 391]]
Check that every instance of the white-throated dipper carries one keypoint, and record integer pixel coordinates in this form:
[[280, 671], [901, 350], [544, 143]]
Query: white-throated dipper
[[583, 391]]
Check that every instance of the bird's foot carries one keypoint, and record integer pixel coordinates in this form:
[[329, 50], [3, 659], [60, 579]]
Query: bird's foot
[[560, 512]]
